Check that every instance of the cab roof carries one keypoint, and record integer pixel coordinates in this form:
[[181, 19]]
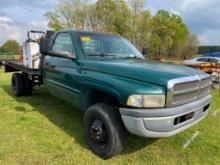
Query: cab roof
[[82, 32]]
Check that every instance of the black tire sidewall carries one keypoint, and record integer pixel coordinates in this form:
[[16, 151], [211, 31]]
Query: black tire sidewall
[[18, 84], [28, 85], [14, 85], [100, 112]]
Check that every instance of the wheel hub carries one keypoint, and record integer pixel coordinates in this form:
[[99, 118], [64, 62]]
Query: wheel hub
[[97, 131]]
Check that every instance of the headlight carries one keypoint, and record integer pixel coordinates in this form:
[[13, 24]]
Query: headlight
[[146, 101]]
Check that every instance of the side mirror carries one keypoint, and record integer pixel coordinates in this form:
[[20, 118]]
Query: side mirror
[[62, 54], [46, 42], [43, 45], [145, 51]]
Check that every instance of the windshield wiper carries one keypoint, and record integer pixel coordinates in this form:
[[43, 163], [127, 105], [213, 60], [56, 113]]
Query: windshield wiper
[[101, 54], [133, 57]]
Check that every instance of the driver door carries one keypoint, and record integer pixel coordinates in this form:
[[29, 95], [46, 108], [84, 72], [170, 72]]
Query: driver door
[[62, 75]]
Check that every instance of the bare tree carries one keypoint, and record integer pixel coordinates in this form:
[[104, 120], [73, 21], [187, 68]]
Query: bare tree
[[69, 14], [136, 6]]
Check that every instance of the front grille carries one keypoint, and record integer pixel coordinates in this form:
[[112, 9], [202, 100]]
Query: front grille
[[187, 89]]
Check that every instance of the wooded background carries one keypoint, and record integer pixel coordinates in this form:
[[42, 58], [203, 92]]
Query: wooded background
[[165, 34]]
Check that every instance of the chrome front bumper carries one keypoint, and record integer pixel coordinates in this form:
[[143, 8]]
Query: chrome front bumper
[[165, 122]]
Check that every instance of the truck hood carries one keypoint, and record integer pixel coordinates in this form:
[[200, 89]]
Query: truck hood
[[141, 70]]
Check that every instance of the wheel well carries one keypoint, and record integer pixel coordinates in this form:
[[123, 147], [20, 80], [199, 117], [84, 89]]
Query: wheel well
[[94, 96]]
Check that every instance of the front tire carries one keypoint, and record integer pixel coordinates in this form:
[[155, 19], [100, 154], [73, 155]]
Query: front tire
[[103, 130]]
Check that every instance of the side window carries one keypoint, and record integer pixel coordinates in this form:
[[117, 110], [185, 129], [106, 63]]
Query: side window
[[63, 43]]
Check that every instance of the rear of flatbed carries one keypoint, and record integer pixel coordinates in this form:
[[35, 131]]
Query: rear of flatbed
[[24, 78], [28, 70]]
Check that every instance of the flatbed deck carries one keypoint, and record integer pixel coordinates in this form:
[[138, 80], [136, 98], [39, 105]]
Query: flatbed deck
[[35, 75], [13, 66]]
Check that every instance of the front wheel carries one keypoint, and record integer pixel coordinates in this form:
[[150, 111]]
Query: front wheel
[[103, 130]]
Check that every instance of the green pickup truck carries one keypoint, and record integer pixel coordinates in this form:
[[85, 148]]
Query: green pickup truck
[[105, 76]]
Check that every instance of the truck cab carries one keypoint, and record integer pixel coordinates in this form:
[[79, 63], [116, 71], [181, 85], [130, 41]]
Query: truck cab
[[107, 78]]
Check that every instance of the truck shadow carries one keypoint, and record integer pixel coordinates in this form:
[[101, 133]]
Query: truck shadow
[[68, 118]]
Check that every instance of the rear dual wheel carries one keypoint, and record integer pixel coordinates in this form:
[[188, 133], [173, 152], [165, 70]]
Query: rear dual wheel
[[21, 85], [28, 85]]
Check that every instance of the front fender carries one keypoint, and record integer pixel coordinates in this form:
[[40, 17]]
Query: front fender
[[119, 87]]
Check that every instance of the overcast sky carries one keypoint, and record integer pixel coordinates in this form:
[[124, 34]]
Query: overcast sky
[[18, 16]]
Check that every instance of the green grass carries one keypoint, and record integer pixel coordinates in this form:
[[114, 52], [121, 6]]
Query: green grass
[[42, 129]]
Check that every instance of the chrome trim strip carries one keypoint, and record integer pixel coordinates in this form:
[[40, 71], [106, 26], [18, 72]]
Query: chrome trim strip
[[186, 91], [205, 86], [185, 101]]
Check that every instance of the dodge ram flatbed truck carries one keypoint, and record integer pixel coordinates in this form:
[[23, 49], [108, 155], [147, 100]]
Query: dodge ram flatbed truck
[[105, 76]]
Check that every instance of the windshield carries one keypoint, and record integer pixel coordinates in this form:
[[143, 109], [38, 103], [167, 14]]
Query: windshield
[[103, 45]]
